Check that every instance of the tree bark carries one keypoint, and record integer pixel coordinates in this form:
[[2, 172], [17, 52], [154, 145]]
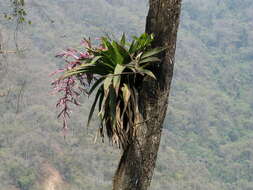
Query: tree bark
[[137, 163]]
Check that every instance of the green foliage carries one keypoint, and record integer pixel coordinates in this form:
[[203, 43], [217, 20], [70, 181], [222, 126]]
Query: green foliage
[[23, 177], [18, 12], [117, 67]]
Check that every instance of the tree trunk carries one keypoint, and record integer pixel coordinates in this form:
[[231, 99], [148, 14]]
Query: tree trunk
[[137, 164]]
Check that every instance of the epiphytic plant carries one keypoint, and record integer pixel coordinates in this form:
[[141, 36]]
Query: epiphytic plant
[[114, 70]]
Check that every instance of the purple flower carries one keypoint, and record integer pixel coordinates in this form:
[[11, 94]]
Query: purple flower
[[67, 86]]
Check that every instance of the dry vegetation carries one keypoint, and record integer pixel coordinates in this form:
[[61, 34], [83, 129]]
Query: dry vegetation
[[207, 141]]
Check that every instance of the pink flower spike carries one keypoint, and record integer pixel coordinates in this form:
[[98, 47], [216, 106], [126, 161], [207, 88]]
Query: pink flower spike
[[71, 50], [67, 87], [71, 54], [84, 55], [62, 54], [56, 72]]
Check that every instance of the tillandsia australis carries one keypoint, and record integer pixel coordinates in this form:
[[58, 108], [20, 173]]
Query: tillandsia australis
[[113, 69]]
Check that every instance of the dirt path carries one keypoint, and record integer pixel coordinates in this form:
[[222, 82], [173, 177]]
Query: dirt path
[[53, 180]]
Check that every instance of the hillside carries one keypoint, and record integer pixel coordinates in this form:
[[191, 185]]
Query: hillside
[[207, 140]]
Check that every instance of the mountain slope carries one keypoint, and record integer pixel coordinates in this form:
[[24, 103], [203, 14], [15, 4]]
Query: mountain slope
[[207, 141]]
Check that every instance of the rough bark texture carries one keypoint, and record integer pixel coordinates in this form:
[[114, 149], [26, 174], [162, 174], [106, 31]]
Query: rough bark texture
[[137, 164]]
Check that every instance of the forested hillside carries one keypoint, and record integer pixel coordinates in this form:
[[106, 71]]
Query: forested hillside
[[207, 140]]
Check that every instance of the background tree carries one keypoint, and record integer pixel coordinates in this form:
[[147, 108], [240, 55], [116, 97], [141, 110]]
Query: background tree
[[137, 164]]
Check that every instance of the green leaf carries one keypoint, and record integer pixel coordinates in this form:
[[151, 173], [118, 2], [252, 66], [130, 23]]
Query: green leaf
[[107, 59], [71, 73], [101, 100], [132, 68], [93, 106], [152, 52], [95, 59], [112, 104], [138, 56], [123, 40], [77, 70], [116, 79], [149, 59], [132, 47], [94, 86], [146, 71], [118, 57], [99, 70], [110, 53], [124, 54]]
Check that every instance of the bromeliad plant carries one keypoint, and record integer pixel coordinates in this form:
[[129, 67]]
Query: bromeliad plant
[[112, 70]]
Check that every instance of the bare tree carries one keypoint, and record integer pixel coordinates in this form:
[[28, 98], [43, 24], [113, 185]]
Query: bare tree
[[137, 164]]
